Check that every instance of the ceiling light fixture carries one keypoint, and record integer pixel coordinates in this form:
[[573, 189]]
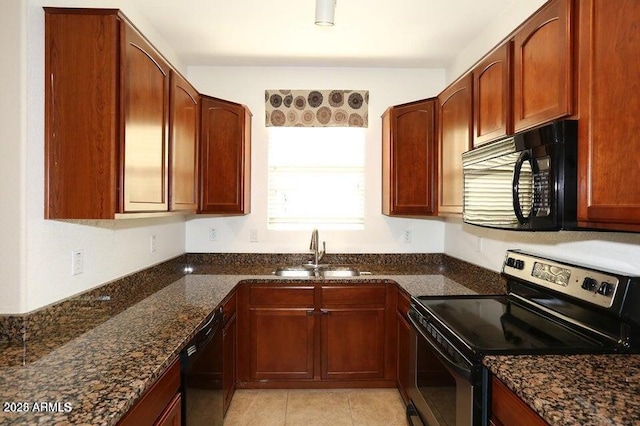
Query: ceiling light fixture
[[325, 9]]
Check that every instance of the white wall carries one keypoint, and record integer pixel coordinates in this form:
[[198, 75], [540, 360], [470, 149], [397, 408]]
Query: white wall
[[35, 254], [381, 234], [503, 24], [13, 112], [486, 247]]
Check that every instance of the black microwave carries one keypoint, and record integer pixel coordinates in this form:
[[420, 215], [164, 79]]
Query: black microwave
[[525, 182]]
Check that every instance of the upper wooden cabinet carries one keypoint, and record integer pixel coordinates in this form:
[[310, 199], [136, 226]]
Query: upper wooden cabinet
[[409, 159], [543, 73], [455, 132], [225, 157], [183, 147], [146, 125], [107, 95], [492, 81], [229, 350], [609, 124]]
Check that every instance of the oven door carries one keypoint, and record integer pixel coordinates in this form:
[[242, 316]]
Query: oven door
[[447, 388]]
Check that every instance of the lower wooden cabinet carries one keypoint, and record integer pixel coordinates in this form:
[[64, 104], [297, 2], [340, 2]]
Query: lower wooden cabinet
[[229, 350], [315, 334], [172, 416], [404, 358], [352, 342], [161, 404], [276, 332], [281, 343], [509, 410]]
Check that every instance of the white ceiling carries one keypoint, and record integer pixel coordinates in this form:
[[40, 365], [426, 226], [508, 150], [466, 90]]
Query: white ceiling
[[367, 33]]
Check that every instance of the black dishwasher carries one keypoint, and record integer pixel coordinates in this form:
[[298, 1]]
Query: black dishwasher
[[201, 368]]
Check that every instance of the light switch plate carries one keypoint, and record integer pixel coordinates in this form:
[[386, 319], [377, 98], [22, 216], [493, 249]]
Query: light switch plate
[[77, 262]]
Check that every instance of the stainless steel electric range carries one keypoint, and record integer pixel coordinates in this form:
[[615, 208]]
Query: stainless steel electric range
[[552, 307]]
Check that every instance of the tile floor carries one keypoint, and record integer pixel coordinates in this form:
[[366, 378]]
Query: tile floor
[[306, 407]]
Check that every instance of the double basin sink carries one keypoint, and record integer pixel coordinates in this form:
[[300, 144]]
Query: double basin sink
[[324, 271]]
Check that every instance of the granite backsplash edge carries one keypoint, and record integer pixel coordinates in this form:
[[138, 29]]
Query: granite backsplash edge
[[90, 308]]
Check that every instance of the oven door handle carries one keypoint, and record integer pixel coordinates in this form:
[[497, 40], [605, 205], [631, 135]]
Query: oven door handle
[[460, 368]]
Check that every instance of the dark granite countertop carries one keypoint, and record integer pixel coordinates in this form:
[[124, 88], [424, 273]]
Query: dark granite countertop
[[97, 376], [580, 390], [119, 338]]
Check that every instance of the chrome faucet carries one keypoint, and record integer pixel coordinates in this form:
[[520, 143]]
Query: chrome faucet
[[317, 254]]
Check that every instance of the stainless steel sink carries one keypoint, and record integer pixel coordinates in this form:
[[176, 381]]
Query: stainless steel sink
[[326, 271], [339, 272], [294, 272]]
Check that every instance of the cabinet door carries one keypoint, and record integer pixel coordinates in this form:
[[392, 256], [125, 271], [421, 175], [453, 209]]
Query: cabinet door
[[353, 343], [455, 132], [352, 338], [278, 335], [146, 103], [492, 96], [81, 129], [229, 339], [609, 125], [183, 147], [225, 158], [409, 163], [543, 80], [282, 343]]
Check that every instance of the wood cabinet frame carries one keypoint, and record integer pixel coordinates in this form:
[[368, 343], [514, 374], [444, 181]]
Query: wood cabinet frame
[[409, 159], [307, 313], [544, 54], [492, 101], [455, 132], [608, 144], [225, 158]]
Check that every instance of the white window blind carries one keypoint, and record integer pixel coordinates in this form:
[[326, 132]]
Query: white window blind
[[316, 178]]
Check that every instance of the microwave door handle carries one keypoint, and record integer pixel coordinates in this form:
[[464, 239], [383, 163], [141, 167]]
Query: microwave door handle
[[517, 209]]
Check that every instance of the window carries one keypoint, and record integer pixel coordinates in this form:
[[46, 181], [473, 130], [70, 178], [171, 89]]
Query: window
[[316, 178]]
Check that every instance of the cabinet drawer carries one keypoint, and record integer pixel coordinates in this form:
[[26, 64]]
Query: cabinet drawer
[[229, 307], [282, 296], [356, 295]]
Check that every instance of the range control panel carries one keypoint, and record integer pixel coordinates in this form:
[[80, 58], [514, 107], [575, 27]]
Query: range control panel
[[585, 284]]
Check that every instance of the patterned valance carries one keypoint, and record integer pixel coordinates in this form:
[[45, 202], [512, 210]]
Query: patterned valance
[[317, 108]]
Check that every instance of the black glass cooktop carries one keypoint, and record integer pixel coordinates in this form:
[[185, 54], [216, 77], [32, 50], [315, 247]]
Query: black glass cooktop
[[496, 324]]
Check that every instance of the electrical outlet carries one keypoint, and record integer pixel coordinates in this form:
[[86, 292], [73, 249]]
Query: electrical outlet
[[77, 262], [479, 243], [406, 236], [154, 244], [213, 234], [253, 235]]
